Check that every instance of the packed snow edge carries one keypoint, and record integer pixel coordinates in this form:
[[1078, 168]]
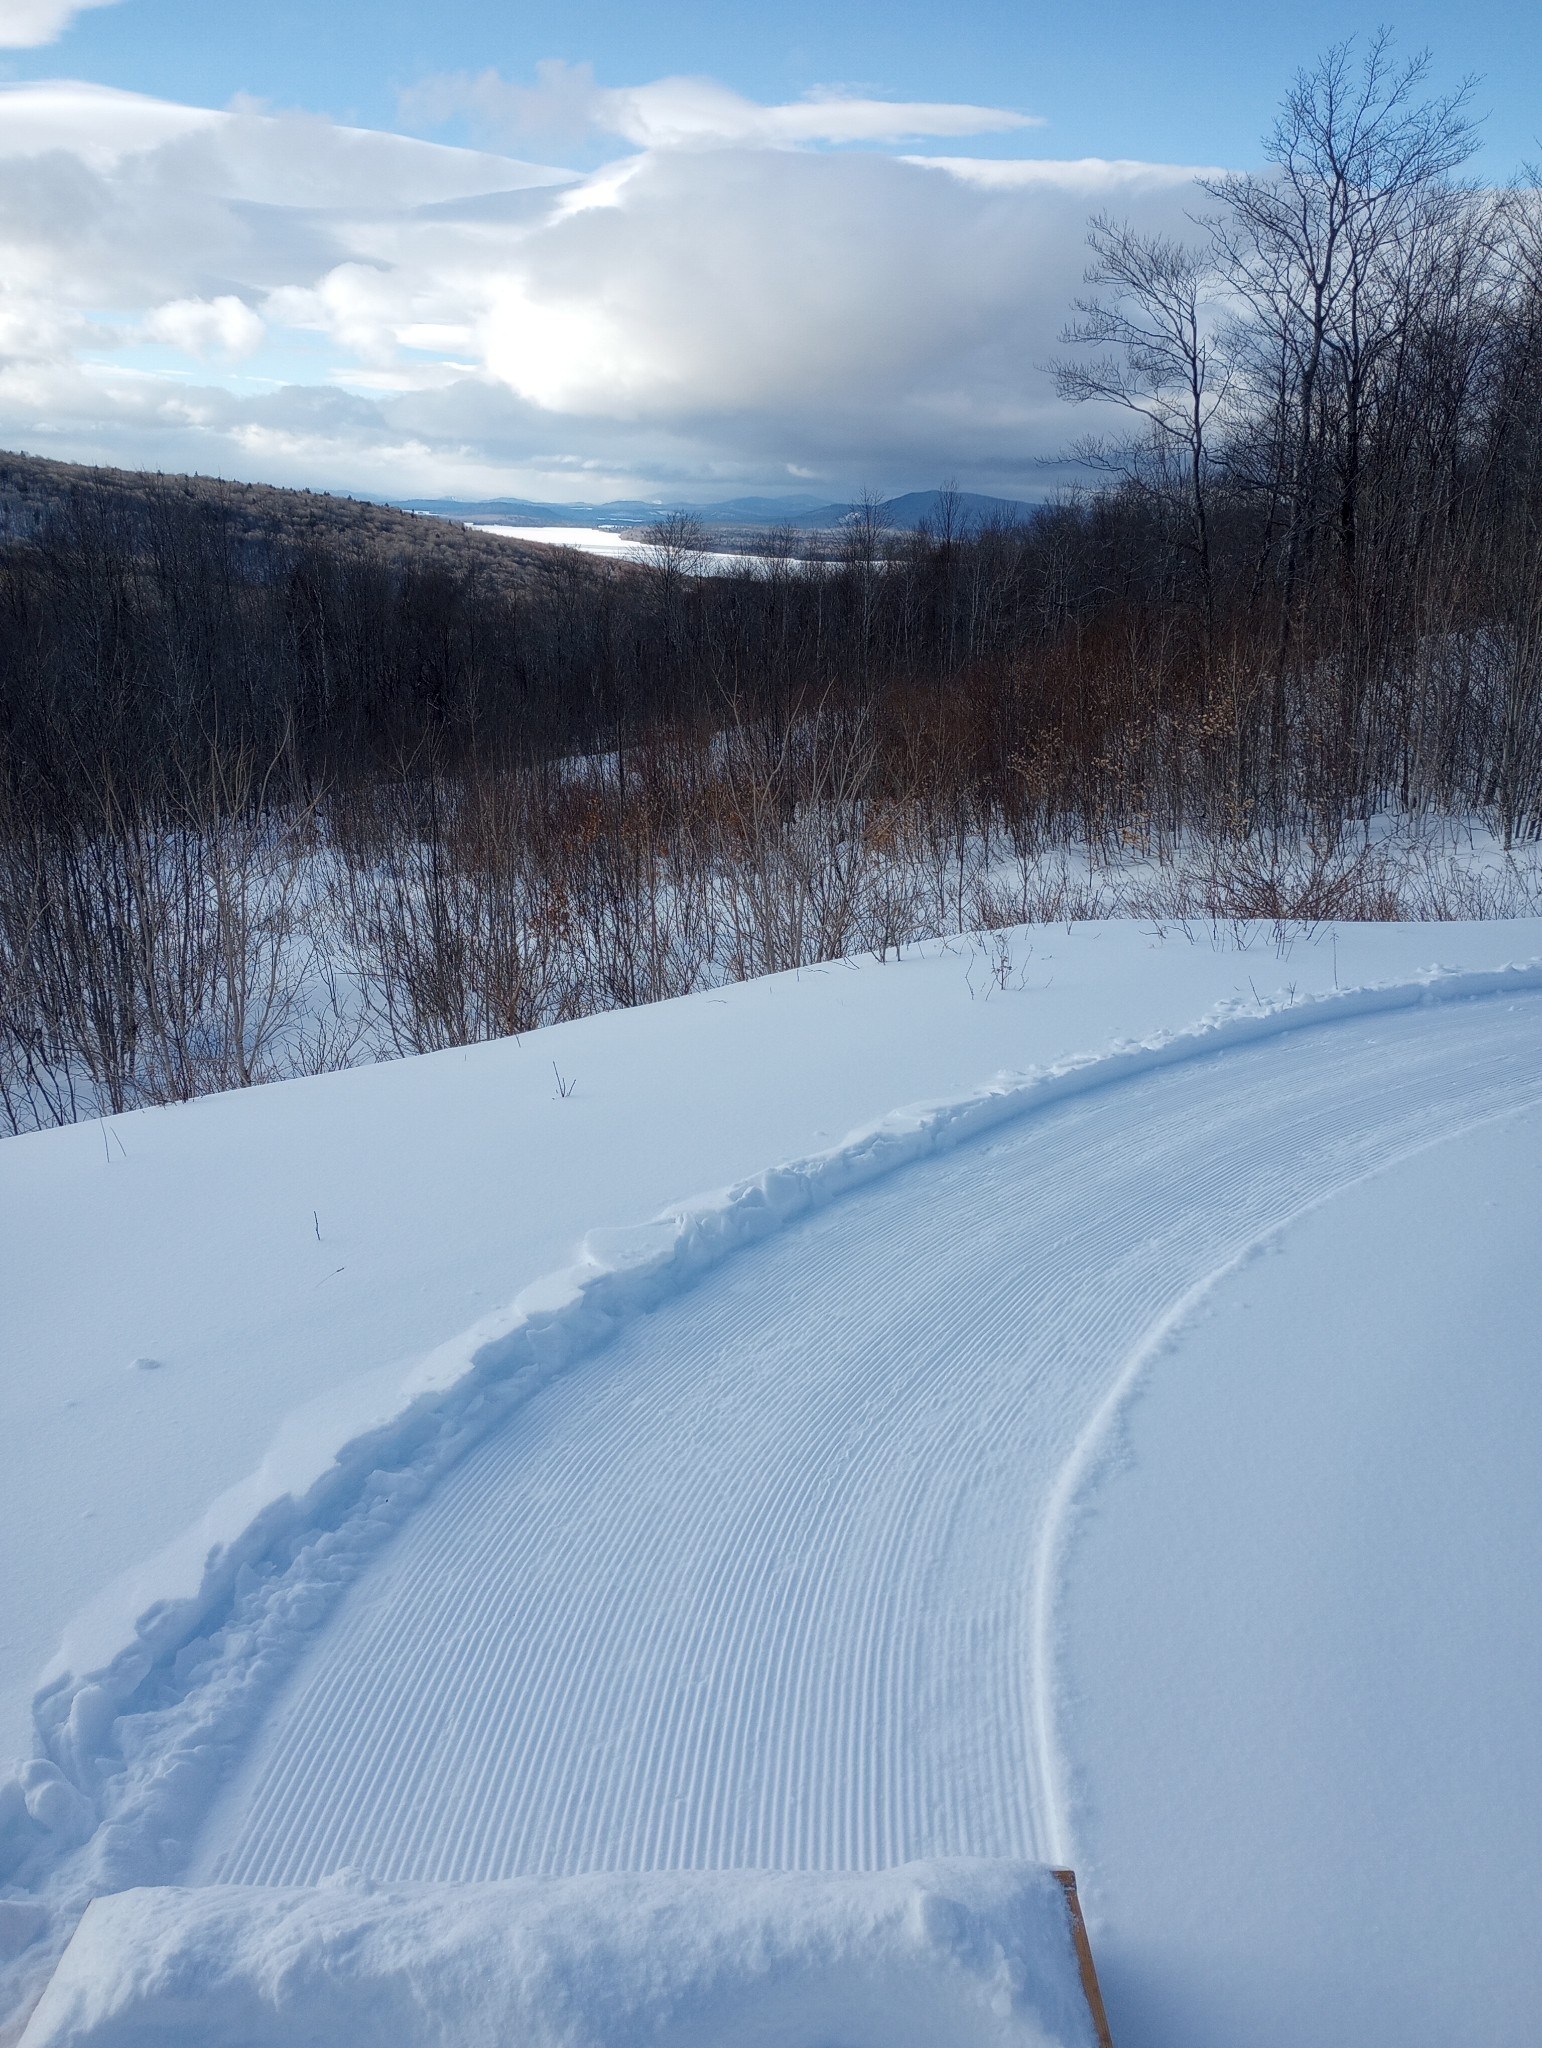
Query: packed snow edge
[[949, 1954]]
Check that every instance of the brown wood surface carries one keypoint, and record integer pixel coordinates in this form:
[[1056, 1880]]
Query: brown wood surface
[[1084, 1958]]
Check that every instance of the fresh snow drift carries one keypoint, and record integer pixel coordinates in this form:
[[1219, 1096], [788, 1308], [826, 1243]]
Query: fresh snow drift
[[975, 1956]]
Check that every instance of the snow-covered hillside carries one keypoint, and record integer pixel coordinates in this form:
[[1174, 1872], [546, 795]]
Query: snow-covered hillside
[[429, 1475]]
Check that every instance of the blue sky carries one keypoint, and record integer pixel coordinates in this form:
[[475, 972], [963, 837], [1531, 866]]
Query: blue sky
[[1189, 80], [684, 250]]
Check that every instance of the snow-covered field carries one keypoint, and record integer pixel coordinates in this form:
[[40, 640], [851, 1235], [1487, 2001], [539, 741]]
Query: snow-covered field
[[626, 545], [398, 1499]]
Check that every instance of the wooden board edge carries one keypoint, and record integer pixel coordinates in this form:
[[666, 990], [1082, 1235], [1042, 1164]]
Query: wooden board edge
[[1094, 1995]]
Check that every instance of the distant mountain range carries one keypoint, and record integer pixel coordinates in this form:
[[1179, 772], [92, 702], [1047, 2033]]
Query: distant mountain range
[[905, 512]]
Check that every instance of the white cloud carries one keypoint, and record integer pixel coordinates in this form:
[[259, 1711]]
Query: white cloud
[[685, 112], [288, 160], [1086, 174], [387, 314], [25, 24], [223, 327], [851, 309], [688, 113]]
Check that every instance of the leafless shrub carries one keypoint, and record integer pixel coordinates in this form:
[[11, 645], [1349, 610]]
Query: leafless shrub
[[447, 935], [148, 961], [1048, 890], [1435, 885]]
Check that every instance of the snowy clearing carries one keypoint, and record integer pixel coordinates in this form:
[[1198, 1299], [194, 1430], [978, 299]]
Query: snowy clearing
[[775, 1578]]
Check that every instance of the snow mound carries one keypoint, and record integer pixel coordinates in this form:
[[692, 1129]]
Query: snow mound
[[931, 1955]]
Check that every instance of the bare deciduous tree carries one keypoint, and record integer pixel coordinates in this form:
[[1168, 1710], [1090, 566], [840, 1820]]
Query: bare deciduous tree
[[1155, 313]]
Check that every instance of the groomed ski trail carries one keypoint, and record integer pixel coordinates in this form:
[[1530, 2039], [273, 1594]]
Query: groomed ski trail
[[769, 1582]]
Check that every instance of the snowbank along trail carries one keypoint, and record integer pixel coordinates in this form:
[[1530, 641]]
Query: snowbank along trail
[[770, 1581]]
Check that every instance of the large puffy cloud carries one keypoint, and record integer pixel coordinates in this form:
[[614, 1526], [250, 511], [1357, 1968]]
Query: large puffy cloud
[[289, 299], [25, 24]]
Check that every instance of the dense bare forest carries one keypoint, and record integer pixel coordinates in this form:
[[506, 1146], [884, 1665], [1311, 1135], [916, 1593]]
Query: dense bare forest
[[287, 784]]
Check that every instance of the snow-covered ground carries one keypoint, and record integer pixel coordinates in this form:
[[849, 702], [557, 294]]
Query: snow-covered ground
[[965, 1954], [623, 545], [1303, 1670], [341, 1542]]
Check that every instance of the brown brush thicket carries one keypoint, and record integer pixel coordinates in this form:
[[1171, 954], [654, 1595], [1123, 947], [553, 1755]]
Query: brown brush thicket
[[277, 793]]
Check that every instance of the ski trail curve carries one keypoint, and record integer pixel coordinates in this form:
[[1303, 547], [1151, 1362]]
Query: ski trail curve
[[770, 1581]]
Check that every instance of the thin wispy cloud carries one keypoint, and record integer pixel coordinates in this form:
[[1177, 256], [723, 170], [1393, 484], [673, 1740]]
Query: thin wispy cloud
[[1073, 174], [688, 113], [28, 24]]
